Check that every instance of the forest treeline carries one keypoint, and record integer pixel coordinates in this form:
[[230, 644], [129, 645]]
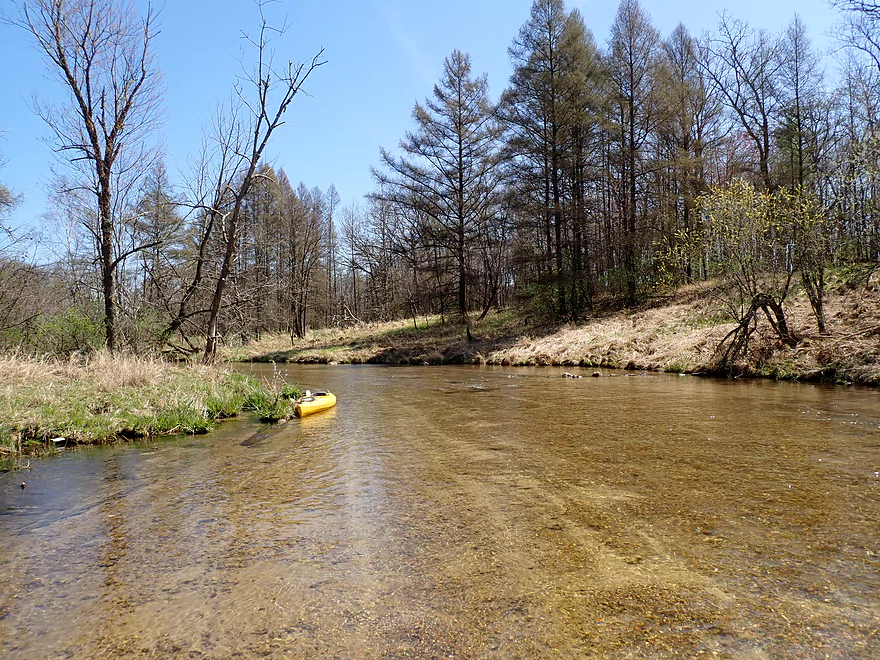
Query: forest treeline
[[601, 175]]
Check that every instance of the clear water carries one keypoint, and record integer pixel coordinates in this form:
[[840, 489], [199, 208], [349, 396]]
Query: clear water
[[464, 513]]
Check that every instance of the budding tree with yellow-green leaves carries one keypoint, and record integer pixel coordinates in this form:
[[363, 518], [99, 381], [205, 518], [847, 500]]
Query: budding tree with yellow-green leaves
[[755, 243]]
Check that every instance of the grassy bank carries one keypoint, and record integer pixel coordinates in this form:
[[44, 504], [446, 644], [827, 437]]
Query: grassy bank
[[105, 398], [676, 333]]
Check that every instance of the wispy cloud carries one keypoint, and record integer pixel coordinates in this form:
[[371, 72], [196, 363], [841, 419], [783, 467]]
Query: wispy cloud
[[393, 15]]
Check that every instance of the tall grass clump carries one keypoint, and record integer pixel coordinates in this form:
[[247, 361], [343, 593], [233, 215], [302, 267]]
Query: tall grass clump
[[103, 397], [275, 401]]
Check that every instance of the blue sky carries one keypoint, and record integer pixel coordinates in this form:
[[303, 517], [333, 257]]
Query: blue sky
[[382, 56]]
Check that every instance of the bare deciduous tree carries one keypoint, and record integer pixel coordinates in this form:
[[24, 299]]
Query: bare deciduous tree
[[743, 64], [101, 52], [867, 7], [635, 45], [264, 94], [801, 85], [544, 105], [8, 201]]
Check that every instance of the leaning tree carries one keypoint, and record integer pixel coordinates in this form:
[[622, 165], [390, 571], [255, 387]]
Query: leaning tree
[[260, 100]]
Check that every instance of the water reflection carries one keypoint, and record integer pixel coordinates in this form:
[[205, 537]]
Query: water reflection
[[465, 512]]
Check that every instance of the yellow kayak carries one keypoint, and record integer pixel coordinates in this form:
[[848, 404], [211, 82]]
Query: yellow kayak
[[314, 402]]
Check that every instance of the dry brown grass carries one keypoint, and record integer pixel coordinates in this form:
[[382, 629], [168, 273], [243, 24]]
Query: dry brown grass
[[103, 370], [680, 335], [662, 339], [366, 342]]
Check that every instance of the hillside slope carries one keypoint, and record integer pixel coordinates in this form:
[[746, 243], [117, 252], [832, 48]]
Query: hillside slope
[[678, 333]]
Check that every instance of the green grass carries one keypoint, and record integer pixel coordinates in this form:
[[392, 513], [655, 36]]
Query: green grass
[[269, 406], [106, 399]]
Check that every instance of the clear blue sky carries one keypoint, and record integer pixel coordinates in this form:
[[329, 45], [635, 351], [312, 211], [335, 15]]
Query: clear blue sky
[[382, 56]]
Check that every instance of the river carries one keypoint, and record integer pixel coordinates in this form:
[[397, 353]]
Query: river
[[464, 512]]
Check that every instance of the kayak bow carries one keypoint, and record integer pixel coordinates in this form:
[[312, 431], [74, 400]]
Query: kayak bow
[[314, 402]]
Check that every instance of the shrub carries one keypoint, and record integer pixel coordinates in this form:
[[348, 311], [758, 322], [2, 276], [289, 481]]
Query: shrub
[[66, 334], [268, 407]]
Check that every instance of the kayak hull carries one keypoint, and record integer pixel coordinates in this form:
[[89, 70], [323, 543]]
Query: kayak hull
[[317, 402]]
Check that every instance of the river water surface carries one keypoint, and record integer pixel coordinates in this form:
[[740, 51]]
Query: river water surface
[[458, 512]]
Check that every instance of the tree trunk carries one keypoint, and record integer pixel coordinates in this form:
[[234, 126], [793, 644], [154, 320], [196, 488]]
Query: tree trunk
[[216, 301], [776, 316], [108, 275]]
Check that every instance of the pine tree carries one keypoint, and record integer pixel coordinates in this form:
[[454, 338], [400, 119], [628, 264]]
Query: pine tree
[[447, 180]]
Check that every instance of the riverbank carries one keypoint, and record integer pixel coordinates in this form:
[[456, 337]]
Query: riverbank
[[46, 404], [677, 333]]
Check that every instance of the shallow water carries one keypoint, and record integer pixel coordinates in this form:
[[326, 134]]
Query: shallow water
[[457, 512]]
